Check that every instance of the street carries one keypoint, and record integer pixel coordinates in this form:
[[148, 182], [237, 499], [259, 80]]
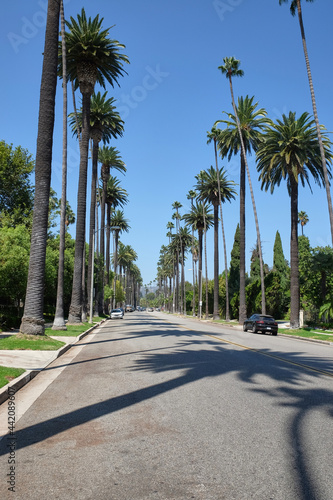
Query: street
[[156, 407]]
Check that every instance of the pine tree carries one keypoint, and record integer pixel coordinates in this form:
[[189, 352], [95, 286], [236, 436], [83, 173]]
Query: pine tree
[[235, 265], [280, 264]]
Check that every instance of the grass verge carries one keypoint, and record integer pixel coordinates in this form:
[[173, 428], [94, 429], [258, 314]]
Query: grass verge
[[30, 342], [8, 374], [308, 334], [73, 330]]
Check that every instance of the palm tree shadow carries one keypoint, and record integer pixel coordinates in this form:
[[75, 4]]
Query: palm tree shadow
[[194, 359]]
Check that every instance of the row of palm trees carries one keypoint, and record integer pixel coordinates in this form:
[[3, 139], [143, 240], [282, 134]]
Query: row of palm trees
[[288, 149], [85, 56]]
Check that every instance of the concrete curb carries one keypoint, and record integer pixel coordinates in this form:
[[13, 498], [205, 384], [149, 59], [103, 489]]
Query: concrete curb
[[28, 375]]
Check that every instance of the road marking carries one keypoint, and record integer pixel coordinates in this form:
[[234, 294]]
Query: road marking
[[253, 349]]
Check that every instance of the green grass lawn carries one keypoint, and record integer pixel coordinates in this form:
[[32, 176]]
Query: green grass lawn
[[30, 342], [308, 333], [72, 330], [8, 374]]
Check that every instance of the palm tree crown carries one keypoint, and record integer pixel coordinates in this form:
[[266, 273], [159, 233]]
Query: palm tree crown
[[290, 151], [91, 55]]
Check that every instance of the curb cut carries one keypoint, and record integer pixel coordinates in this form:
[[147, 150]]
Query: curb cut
[[28, 375]]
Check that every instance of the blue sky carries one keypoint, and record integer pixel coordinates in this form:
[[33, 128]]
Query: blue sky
[[172, 96]]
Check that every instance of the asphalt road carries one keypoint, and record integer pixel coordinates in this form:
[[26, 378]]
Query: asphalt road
[[154, 407]]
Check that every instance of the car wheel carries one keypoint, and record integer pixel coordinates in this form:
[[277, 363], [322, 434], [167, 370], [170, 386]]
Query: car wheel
[[274, 333], [254, 328], [244, 328]]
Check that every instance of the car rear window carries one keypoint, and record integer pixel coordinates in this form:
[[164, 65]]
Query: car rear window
[[267, 319]]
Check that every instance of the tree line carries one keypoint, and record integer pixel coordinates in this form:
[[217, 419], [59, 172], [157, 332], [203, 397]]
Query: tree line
[[292, 149]]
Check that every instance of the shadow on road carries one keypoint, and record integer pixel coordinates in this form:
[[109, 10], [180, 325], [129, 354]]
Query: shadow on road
[[198, 357]]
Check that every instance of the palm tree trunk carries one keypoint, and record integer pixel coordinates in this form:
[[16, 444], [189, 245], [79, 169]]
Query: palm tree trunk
[[294, 271], [33, 319], [315, 115], [59, 318], [206, 270], [263, 300], [200, 273], [216, 314], [92, 219], [76, 301], [227, 310], [242, 299]]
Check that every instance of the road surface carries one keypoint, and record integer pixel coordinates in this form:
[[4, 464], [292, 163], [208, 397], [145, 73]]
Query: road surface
[[154, 407]]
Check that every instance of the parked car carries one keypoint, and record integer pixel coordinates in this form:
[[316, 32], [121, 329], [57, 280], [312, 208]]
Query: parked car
[[129, 308], [116, 313], [261, 323], [150, 309]]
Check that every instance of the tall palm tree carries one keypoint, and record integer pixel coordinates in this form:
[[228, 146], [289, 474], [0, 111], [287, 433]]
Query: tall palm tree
[[303, 219], [201, 219], [176, 206], [190, 196], [33, 319], [59, 317], [118, 224], [105, 123], [291, 151], [297, 4], [109, 157], [170, 226], [116, 196], [243, 134], [91, 57], [213, 135], [207, 186]]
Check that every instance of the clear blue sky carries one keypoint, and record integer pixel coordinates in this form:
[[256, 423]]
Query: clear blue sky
[[172, 96]]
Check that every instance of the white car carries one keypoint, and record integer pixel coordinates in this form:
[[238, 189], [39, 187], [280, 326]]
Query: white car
[[116, 313]]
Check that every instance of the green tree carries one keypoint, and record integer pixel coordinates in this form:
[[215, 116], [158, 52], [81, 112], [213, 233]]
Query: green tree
[[296, 4], [91, 57], [16, 191], [33, 319], [291, 151], [234, 273], [14, 263], [242, 135]]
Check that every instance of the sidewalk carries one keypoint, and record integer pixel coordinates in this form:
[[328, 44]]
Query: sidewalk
[[33, 361]]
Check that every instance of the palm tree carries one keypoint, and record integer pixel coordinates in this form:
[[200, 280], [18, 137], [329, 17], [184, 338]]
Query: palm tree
[[105, 123], [201, 219], [291, 151], [213, 135], [170, 226], [190, 196], [303, 219], [118, 224], [109, 157], [176, 206], [297, 4], [243, 134], [207, 186], [185, 242], [91, 57], [59, 317], [33, 319]]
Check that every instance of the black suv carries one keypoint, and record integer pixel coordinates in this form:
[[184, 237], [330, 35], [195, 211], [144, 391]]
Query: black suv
[[261, 323]]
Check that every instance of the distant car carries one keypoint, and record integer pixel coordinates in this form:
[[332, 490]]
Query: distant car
[[150, 309], [116, 314], [129, 308], [261, 323]]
